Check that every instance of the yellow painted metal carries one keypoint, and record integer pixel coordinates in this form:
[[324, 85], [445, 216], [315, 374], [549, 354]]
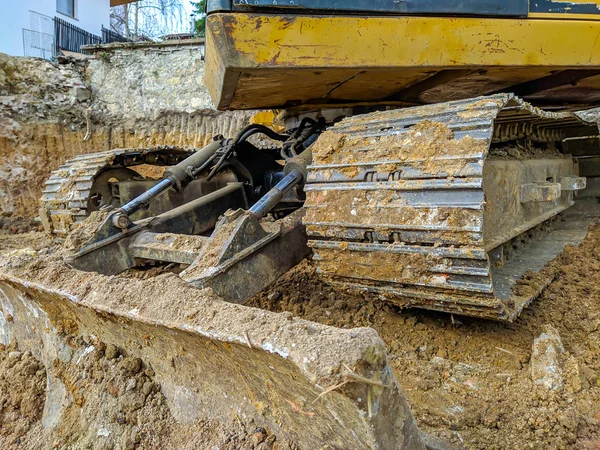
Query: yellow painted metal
[[268, 119], [570, 16], [329, 41], [272, 61]]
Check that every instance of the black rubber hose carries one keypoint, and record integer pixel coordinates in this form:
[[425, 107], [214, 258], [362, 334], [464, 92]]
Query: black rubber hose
[[302, 125], [258, 128]]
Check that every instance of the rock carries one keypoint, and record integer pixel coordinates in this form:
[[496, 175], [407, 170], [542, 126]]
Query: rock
[[131, 365], [515, 153], [273, 297], [130, 385], [15, 355], [545, 359], [81, 93], [259, 436], [147, 387], [111, 351]]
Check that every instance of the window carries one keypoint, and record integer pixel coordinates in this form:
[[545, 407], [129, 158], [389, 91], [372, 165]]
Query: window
[[66, 7]]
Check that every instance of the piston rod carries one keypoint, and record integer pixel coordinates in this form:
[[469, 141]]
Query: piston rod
[[274, 196], [177, 176]]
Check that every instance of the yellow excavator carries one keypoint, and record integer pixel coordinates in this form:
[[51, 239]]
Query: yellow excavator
[[416, 161], [415, 165], [439, 187]]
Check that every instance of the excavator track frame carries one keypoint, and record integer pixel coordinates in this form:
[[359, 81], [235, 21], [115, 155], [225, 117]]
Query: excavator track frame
[[67, 191], [396, 211]]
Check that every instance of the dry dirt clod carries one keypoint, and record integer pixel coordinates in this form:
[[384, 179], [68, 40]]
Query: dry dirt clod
[[545, 359]]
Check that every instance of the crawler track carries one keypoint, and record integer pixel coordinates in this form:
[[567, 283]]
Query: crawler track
[[395, 205], [67, 192]]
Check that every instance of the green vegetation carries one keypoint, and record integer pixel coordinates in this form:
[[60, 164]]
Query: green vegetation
[[200, 11]]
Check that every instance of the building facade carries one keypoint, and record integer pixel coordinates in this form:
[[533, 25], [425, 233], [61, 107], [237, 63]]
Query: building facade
[[29, 27]]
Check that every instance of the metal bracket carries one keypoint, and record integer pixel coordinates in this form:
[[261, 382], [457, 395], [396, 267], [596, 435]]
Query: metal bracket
[[540, 192], [572, 183]]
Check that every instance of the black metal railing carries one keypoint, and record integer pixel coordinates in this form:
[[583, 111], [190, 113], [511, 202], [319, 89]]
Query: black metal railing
[[109, 36], [71, 38]]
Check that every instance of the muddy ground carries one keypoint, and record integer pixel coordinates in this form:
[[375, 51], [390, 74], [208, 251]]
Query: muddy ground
[[468, 381]]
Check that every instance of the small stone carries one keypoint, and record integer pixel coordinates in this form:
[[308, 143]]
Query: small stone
[[514, 152], [131, 365], [111, 351], [15, 355], [147, 387], [259, 436], [81, 94], [130, 385], [331, 296], [274, 296], [545, 359]]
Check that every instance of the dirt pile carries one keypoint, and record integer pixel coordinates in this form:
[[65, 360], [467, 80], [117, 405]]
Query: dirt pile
[[469, 380], [22, 395]]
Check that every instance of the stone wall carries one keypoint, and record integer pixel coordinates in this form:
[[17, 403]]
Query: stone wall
[[145, 80], [121, 97]]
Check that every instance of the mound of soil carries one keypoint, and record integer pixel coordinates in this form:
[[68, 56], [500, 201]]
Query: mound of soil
[[469, 380], [116, 404]]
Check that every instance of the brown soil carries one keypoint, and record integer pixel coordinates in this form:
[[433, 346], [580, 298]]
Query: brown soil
[[469, 380], [85, 231], [23, 243], [116, 405], [15, 225], [22, 395]]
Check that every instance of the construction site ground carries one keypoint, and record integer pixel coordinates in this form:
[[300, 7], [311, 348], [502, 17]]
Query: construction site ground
[[469, 381]]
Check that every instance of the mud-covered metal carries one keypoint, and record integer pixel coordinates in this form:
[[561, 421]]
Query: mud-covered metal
[[69, 190], [400, 203], [243, 255], [229, 362]]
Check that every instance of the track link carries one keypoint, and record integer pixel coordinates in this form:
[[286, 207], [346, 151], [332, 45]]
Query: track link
[[395, 204], [67, 191]]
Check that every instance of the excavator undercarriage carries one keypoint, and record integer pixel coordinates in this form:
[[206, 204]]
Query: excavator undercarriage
[[450, 207]]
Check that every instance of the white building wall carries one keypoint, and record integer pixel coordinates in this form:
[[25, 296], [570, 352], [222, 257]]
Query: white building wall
[[16, 16]]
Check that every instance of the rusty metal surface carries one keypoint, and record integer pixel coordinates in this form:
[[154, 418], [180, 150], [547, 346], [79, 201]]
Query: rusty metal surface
[[396, 204], [66, 194], [243, 256]]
